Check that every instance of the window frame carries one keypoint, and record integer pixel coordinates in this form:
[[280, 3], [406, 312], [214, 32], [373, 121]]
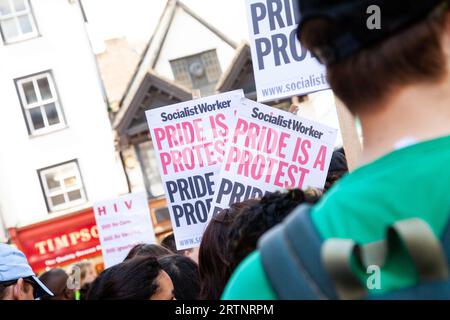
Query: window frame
[[143, 164], [212, 71], [33, 78], [14, 15], [57, 168]]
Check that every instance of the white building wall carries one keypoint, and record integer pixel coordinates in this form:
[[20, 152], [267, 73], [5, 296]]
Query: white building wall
[[186, 37], [62, 47]]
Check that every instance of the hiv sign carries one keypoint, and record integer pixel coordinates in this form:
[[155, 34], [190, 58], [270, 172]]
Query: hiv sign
[[269, 150], [122, 223], [282, 67], [190, 140]]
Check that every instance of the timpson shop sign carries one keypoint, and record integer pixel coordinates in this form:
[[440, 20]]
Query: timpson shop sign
[[59, 241]]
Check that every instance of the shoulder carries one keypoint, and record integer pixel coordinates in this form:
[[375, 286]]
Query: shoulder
[[249, 281]]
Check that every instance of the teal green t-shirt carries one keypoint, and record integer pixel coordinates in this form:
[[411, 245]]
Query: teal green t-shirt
[[410, 182]]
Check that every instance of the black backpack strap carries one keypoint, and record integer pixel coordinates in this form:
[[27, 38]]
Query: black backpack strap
[[291, 258]]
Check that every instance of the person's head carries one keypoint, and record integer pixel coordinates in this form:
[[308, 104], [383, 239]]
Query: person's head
[[366, 67], [184, 274], [148, 250], [84, 291], [17, 279], [213, 261], [86, 270], [338, 168], [56, 281], [253, 222], [169, 243], [139, 278]]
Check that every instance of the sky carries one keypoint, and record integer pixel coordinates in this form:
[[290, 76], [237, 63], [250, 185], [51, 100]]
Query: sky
[[137, 19]]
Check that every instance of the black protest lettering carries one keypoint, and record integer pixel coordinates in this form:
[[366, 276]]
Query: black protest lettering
[[274, 10], [282, 47], [190, 188], [171, 189], [189, 213], [183, 189], [237, 193], [263, 48], [258, 12], [177, 214], [241, 192], [224, 189]]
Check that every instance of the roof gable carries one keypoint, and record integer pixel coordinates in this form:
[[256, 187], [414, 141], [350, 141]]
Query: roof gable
[[154, 91]]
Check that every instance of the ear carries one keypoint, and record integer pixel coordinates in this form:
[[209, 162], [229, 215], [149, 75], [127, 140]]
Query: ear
[[18, 290]]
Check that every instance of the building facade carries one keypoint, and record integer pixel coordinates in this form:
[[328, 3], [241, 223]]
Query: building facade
[[58, 154], [187, 56]]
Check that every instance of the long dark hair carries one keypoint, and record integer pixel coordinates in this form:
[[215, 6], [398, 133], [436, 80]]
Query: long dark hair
[[213, 261], [184, 274], [152, 250], [134, 279], [253, 222]]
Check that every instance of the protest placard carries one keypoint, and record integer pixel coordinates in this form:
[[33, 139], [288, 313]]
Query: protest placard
[[270, 149], [122, 223], [282, 67], [189, 140]]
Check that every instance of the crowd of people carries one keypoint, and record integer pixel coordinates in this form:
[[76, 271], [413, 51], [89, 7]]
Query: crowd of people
[[396, 80], [160, 271]]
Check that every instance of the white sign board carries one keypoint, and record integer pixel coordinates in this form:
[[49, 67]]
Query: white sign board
[[270, 149], [282, 67], [122, 223], [189, 139]]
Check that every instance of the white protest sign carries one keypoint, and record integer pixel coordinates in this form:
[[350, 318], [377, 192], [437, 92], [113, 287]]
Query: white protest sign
[[270, 149], [282, 67], [122, 223], [189, 140]]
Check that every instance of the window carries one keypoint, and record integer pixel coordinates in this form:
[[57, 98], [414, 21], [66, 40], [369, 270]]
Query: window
[[62, 186], [149, 165], [40, 103], [200, 71], [16, 20], [162, 214]]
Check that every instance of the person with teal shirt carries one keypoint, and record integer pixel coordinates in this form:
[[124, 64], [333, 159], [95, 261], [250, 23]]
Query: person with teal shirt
[[396, 81]]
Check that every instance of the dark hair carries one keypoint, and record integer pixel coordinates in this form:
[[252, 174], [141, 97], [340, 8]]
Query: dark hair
[[213, 261], [84, 290], [414, 55], [338, 168], [253, 222], [184, 274], [134, 279], [169, 243], [3, 288], [153, 250], [56, 281]]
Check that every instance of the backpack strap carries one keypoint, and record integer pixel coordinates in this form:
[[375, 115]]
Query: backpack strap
[[445, 240], [425, 250], [290, 254], [414, 235], [336, 257]]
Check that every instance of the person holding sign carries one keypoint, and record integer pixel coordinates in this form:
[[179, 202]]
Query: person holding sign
[[389, 64]]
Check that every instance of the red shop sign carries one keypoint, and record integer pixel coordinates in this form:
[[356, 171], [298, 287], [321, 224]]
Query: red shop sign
[[58, 241]]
